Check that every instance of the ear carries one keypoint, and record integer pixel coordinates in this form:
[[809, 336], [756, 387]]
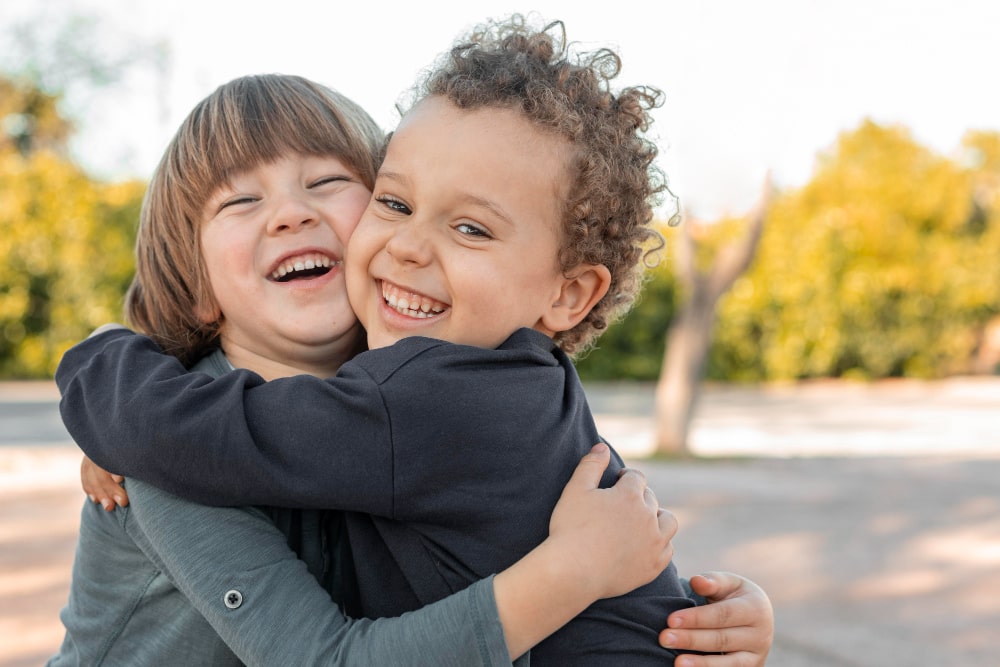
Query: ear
[[579, 292]]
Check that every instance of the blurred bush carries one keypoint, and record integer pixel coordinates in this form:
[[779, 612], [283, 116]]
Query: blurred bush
[[66, 251], [884, 264]]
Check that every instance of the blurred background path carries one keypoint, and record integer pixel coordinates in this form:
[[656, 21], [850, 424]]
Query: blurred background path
[[869, 513]]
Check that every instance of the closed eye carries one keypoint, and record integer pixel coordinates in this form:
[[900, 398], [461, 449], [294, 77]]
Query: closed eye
[[235, 201], [329, 179]]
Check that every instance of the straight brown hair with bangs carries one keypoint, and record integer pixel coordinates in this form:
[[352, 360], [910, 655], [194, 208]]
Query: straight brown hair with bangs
[[250, 121]]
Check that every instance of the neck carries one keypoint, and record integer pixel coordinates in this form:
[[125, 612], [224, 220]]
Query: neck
[[271, 363]]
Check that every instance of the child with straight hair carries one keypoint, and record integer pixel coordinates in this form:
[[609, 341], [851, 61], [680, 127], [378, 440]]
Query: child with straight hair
[[169, 582], [507, 227]]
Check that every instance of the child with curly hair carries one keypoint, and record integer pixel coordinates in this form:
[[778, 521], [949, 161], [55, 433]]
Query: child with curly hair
[[508, 225]]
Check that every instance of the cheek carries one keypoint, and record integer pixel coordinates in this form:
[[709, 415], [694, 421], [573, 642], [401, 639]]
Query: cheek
[[355, 251], [365, 241], [350, 217], [356, 264]]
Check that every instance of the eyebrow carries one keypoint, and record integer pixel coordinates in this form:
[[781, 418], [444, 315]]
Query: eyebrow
[[481, 202]]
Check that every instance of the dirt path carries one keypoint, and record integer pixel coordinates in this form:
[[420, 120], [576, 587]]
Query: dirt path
[[890, 556]]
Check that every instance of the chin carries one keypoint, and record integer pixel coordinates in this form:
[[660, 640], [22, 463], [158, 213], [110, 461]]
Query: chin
[[333, 332], [376, 341]]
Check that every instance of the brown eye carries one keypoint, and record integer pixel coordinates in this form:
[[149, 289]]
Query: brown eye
[[393, 205], [468, 229]]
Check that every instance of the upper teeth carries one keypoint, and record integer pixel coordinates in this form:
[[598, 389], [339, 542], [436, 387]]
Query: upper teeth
[[410, 303], [302, 263]]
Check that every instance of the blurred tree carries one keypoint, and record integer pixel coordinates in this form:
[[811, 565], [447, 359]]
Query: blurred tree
[[981, 157], [882, 265], [65, 257], [56, 61], [704, 280], [29, 118], [65, 239], [624, 350]]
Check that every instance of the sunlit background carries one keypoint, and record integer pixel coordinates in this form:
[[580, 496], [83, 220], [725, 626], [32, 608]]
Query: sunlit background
[[845, 451], [749, 85], [878, 122]]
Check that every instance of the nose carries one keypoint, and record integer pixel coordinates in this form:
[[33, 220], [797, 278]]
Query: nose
[[292, 214], [409, 243]]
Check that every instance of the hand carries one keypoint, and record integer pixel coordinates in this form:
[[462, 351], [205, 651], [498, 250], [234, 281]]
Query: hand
[[618, 537], [102, 486], [602, 543], [738, 621]]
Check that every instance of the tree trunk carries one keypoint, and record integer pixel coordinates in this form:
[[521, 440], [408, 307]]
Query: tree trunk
[[690, 334], [676, 392]]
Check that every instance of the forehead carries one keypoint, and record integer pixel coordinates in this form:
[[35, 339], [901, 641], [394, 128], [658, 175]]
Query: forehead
[[484, 126], [490, 152]]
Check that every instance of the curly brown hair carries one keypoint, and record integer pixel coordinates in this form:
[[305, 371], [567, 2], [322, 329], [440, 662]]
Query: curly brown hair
[[615, 183]]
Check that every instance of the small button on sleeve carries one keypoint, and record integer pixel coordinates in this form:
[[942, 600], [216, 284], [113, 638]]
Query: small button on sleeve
[[233, 599]]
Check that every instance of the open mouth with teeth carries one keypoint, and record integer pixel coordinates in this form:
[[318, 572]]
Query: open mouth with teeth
[[411, 304], [302, 267]]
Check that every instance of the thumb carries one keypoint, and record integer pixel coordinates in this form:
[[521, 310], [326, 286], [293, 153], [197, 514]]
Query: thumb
[[591, 467], [713, 585]]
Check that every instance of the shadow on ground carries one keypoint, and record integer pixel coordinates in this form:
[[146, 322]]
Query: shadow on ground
[[867, 561], [873, 562]]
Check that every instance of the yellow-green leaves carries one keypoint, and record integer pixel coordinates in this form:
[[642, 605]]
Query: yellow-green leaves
[[66, 248]]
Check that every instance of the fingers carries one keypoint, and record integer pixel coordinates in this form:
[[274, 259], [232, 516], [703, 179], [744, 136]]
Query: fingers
[[668, 525], [739, 659], [101, 486], [734, 601], [591, 467], [109, 501], [713, 641], [717, 585], [738, 621], [650, 499], [719, 642], [724, 614], [632, 480]]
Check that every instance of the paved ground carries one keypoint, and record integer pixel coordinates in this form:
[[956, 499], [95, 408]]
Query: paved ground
[[871, 515]]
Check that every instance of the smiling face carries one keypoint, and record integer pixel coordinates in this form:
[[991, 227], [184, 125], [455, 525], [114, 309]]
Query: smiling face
[[461, 239], [273, 242]]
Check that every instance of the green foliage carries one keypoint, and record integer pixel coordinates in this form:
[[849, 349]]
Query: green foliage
[[29, 118], [883, 265], [66, 257], [633, 347], [66, 240]]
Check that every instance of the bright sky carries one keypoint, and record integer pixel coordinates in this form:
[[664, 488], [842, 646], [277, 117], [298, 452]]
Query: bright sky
[[750, 86]]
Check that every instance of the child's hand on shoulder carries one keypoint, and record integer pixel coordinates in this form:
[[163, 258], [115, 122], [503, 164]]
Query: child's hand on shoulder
[[737, 621], [619, 536], [102, 486]]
